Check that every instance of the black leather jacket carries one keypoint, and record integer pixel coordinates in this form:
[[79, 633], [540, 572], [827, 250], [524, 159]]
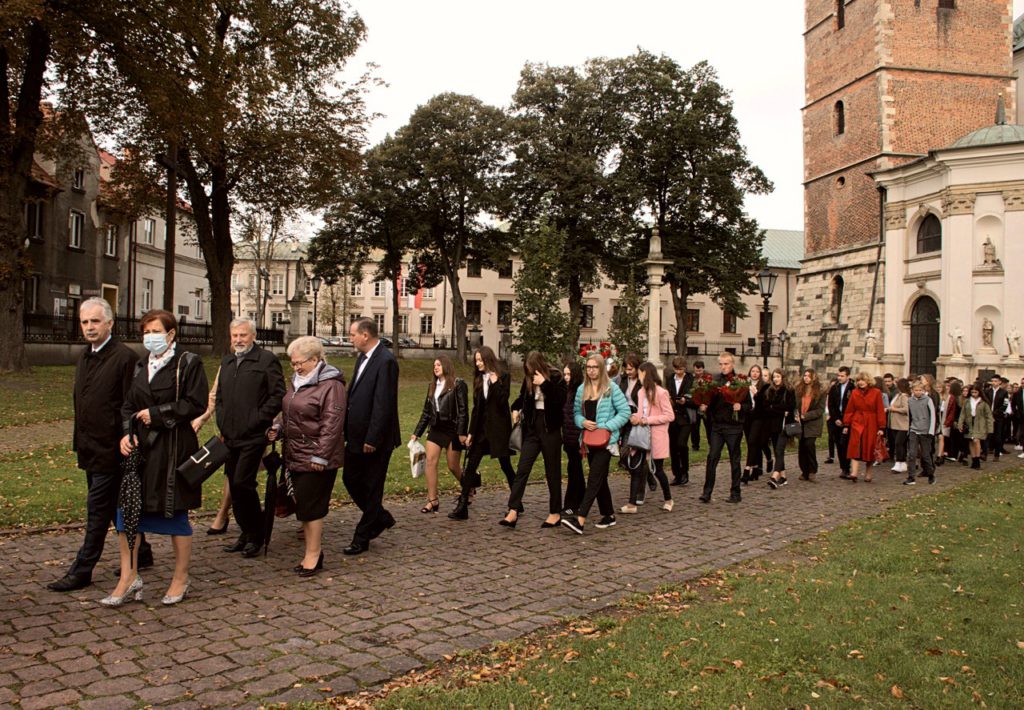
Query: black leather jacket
[[452, 407]]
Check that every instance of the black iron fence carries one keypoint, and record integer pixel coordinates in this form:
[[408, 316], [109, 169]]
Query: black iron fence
[[42, 328]]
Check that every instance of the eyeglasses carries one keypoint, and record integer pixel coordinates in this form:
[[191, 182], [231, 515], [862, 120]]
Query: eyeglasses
[[593, 367], [300, 363]]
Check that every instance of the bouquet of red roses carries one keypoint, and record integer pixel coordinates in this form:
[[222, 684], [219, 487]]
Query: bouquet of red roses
[[736, 390], [703, 390]]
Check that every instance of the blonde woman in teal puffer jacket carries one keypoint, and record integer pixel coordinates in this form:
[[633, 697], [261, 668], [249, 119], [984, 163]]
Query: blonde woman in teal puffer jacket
[[599, 405]]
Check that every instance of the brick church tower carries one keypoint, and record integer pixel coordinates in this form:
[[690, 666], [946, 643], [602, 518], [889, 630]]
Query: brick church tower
[[885, 81]]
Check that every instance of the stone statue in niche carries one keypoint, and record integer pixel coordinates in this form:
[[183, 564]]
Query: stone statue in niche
[[958, 341], [987, 329], [1013, 342], [871, 345], [988, 255]]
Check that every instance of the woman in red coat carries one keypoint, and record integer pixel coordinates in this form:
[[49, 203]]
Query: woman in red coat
[[863, 420]]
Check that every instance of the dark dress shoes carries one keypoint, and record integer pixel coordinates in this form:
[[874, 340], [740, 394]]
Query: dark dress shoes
[[145, 559], [239, 544], [252, 549], [70, 582], [356, 548], [310, 571]]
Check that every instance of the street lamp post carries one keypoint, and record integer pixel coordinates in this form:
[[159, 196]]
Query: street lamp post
[[783, 337], [766, 282], [238, 289], [315, 283], [262, 305]]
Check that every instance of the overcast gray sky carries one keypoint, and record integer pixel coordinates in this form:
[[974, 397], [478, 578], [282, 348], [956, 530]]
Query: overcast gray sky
[[478, 47]]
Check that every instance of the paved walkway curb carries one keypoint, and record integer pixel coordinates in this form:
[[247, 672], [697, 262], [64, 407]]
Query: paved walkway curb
[[252, 633]]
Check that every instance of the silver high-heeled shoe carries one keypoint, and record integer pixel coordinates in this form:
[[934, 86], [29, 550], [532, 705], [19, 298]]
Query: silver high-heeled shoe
[[133, 592], [168, 600]]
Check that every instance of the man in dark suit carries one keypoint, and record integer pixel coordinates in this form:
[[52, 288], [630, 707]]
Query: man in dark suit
[[371, 432], [679, 383], [698, 371], [249, 393], [838, 396], [102, 378], [998, 404]]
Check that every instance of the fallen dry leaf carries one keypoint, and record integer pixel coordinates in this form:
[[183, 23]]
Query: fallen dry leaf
[[896, 692]]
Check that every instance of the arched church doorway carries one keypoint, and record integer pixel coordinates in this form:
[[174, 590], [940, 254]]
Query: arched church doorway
[[924, 336]]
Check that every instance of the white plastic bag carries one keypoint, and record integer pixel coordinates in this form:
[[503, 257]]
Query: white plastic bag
[[417, 459]]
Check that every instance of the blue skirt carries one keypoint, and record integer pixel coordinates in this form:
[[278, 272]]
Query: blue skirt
[[159, 525]]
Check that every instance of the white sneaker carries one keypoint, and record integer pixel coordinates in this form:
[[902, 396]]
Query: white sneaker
[[1018, 447], [627, 508], [1020, 456]]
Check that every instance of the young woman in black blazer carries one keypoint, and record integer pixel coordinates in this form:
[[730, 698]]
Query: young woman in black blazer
[[539, 408], [490, 426]]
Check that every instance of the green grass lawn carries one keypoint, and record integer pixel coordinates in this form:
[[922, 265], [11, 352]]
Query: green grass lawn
[[919, 607], [42, 395]]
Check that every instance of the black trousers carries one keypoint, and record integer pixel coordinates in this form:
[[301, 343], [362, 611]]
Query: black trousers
[[101, 506], [833, 438], [842, 440], [638, 479], [759, 444], [364, 478], [597, 484], [920, 446], [539, 442], [679, 451], [781, 440], [470, 473], [807, 455], [241, 467], [695, 430], [899, 449], [718, 438], [576, 484]]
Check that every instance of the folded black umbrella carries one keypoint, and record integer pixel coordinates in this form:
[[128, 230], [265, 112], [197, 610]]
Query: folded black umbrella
[[129, 498], [272, 462]]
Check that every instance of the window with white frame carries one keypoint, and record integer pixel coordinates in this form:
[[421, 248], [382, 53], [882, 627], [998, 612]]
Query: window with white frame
[[426, 324], [234, 281], [378, 288], [355, 288], [76, 228], [276, 317], [428, 293], [252, 281], [78, 179], [587, 315], [403, 323], [277, 284], [110, 247], [378, 318], [199, 302], [147, 295], [149, 231], [353, 317], [34, 219]]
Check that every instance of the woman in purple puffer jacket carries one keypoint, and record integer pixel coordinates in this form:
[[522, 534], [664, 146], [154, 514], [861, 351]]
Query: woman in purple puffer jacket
[[312, 425]]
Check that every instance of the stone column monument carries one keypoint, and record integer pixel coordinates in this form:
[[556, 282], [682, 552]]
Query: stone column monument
[[656, 266]]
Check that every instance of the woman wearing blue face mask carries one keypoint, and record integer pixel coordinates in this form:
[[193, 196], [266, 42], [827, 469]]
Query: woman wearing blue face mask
[[169, 390]]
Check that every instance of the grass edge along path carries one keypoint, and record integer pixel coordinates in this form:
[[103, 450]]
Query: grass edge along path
[[920, 606]]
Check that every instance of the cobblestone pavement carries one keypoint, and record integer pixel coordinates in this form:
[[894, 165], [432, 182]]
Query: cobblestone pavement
[[252, 633]]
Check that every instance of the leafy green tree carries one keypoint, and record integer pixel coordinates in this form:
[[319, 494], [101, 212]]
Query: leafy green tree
[[682, 161], [565, 131], [245, 99], [629, 321], [454, 150], [539, 320], [42, 46]]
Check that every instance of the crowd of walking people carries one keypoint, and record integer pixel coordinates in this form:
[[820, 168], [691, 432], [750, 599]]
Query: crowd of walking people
[[144, 415]]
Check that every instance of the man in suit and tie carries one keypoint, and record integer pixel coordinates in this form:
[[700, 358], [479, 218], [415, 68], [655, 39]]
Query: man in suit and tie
[[838, 397], [679, 384], [371, 432]]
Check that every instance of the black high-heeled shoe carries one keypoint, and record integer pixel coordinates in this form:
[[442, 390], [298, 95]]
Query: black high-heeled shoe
[[508, 523], [432, 506], [307, 572], [217, 531]]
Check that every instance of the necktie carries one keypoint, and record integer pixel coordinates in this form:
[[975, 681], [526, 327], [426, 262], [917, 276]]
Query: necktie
[[359, 364]]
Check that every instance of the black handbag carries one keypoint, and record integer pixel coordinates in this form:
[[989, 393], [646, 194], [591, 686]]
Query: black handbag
[[793, 428], [204, 463]]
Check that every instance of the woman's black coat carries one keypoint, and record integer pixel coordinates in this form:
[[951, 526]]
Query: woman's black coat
[[169, 440], [491, 419], [780, 403], [554, 399]]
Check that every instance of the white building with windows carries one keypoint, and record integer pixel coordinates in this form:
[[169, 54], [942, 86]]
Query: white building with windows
[[953, 261]]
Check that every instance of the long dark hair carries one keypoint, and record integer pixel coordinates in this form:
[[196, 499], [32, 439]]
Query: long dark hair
[[535, 362], [575, 375], [491, 364], [651, 380], [447, 372], [814, 386]]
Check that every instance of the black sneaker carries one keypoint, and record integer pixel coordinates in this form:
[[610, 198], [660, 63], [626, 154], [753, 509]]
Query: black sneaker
[[782, 481], [734, 499], [830, 460], [931, 480], [605, 522], [639, 501], [772, 483], [910, 482], [705, 499], [573, 525]]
